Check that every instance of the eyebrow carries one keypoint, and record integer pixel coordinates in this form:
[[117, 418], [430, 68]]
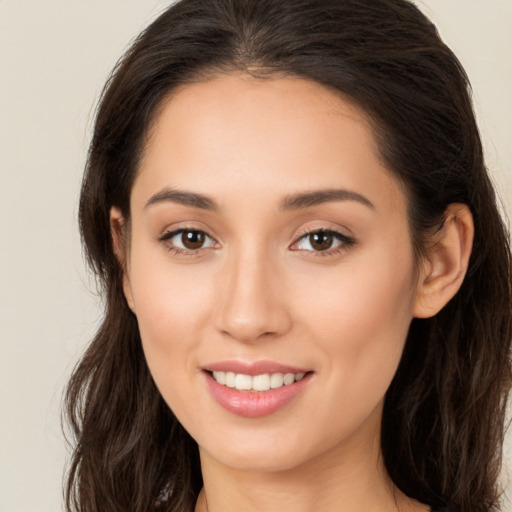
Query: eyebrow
[[316, 197], [182, 197], [291, 202]]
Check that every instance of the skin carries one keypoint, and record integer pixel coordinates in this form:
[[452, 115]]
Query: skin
[[257, 289]]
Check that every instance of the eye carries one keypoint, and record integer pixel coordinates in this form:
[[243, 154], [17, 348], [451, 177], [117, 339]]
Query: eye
[[322, 241], [187, 240]]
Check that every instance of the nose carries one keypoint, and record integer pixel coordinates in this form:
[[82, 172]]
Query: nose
[[252, 304]]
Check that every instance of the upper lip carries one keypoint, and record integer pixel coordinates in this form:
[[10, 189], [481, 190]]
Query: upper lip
[[253, 368]]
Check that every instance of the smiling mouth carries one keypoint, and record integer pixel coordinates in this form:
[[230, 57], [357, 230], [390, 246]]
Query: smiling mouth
[[256, 383]]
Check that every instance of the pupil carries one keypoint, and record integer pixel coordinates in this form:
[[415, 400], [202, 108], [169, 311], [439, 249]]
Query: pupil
[[192, 239], [321, 241]]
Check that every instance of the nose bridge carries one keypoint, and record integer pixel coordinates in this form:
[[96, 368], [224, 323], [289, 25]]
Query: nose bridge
[[251, 305]]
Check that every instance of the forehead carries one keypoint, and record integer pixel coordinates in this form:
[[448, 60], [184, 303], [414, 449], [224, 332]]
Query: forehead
[[240, 134], [257, 109]]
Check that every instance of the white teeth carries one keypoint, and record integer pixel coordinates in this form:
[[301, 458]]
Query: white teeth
[[288, 379], [220, 377], [230, 379], [276, 380], [262, 382], [243, 382]]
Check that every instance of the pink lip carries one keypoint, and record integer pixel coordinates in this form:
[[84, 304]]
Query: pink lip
[[254, 404], [253, 368]]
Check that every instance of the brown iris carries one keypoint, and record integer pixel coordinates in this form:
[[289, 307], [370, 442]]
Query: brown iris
[[193, 239], [321, 240]]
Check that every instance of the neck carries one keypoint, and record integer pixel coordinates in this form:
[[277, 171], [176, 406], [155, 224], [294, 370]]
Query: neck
[[349, 477]]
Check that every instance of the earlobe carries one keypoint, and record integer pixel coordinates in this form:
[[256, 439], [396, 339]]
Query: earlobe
[[118, 233], [446, 261]]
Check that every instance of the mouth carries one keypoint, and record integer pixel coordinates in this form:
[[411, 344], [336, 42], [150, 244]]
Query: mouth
[[255, 389], [256, 383]]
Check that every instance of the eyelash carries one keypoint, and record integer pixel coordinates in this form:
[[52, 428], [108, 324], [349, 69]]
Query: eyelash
[[178, 251], [345, 242]]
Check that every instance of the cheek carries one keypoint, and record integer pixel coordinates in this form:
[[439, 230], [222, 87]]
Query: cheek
[[171, 303], [167, 296], [360, 318], [371, 291]]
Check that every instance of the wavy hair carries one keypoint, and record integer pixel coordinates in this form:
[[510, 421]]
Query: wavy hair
[[443, 420]]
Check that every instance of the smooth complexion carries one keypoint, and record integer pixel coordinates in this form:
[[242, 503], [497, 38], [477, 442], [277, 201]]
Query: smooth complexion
[[266, 230]]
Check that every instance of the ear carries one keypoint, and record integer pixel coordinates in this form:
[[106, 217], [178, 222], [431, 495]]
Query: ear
[[446, 261], [118, 233]]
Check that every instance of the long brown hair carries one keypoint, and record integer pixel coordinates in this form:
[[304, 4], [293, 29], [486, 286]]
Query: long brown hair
[[443, 419]]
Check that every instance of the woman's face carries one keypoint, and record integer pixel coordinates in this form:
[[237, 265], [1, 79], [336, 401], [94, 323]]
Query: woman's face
[[267, 241]]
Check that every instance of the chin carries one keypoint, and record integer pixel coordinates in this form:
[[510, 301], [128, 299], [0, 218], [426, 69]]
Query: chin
[[259, 462], [256, 455]]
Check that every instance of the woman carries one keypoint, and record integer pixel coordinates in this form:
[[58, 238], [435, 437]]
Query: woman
[[307, 280]]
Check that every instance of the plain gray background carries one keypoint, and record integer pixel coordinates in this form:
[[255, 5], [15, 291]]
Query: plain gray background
[[54, 59]]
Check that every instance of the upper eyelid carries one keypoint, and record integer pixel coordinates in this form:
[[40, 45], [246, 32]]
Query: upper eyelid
[[165, 238], [309, 231], [344, 239], [170, 232], [174, 230]]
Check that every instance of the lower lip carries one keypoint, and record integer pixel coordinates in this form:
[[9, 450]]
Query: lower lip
[[254, 404]]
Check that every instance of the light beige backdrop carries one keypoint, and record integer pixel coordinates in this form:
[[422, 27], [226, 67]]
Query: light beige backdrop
[[54, 59]]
